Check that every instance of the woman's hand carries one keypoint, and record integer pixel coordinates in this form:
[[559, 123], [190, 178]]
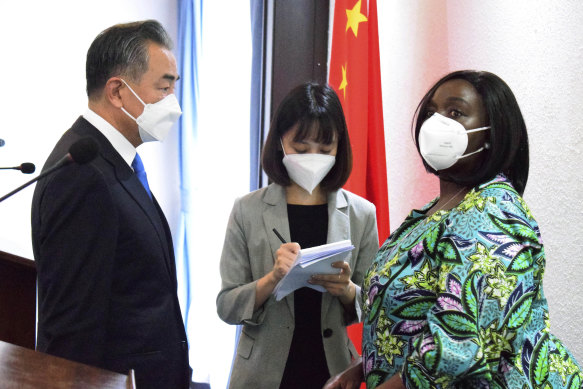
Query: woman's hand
[[349, 378], [395, 382], [338, 285], [286, 255]]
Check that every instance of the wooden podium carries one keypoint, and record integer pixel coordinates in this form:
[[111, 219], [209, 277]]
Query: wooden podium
[[17, 300], [21, 368]]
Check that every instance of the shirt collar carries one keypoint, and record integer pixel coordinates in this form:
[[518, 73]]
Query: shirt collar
[[117, 140]]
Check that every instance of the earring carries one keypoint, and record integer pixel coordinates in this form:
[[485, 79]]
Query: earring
[[486, 145]]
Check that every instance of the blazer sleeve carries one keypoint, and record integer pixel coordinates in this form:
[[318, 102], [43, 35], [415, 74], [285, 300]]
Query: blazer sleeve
[[368, 247], [76, 249], [236, 299]]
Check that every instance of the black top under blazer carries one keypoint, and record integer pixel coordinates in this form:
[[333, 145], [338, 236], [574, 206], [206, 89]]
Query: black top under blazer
[[106, 271]]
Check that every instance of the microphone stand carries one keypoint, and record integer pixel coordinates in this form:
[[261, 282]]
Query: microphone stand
[[59, 165], [82, 151]]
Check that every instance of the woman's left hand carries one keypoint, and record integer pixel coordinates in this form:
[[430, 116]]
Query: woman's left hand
[[350, 378], [338, 285]]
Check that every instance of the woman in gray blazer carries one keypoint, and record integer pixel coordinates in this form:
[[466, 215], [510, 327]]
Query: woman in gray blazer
[[299, 341]]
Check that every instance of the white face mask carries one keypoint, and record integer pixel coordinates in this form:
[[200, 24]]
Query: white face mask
[[442, 141], [307, 170], [157, 119]]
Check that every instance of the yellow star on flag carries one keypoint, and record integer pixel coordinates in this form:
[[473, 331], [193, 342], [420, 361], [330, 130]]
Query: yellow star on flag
[[344, 82], [354, 17]]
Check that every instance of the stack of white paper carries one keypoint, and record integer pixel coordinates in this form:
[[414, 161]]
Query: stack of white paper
[[314, 260]]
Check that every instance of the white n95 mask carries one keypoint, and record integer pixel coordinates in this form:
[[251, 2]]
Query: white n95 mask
[[443, 141], [308, 170], [157, 119]]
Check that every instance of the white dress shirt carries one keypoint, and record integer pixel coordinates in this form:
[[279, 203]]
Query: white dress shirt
[[117, 140]]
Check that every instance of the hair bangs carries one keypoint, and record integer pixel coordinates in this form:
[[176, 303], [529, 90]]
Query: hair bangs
[[320, 129]]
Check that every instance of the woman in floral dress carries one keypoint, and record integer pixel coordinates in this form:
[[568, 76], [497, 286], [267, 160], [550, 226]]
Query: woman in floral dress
[[454, 298]]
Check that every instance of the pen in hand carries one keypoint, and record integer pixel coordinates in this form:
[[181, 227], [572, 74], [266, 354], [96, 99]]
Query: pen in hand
[[279, 236]]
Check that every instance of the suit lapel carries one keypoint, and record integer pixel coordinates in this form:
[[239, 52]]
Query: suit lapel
[[133, 186], [275, 216], [338, 229], [338, 222], [152, 210], [165, 236]]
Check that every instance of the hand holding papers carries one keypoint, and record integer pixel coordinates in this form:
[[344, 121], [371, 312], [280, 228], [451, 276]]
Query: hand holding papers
[[314, 260]]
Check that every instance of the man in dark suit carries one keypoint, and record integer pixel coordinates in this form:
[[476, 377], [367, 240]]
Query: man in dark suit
[[106, 272]]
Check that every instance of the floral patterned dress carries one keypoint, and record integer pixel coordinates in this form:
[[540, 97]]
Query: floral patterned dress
[[455, 300]]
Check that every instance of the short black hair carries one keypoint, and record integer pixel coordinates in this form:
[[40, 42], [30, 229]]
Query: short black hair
[[317, 111], [122, 50], [508, 152]]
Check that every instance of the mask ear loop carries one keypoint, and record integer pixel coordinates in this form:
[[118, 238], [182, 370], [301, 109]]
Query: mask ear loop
[[478, 129], [472, 153], [282, 148], [486, 145], [135, 94]]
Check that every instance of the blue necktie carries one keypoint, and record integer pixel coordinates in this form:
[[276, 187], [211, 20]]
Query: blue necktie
[[141, 173]]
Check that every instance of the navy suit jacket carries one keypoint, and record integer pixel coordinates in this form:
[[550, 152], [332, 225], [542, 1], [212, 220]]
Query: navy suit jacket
[[106, 272]]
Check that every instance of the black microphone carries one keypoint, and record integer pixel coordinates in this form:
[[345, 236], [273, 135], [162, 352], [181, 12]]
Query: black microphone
[[25, 167], [81, 152]]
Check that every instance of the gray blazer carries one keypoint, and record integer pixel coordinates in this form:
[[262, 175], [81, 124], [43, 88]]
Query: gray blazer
[[249, 254]]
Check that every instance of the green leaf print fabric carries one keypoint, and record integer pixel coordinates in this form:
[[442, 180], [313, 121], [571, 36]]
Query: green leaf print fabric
[[455, 300]]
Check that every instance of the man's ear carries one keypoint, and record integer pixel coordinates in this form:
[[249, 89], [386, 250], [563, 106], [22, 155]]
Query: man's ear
[[112, 91]]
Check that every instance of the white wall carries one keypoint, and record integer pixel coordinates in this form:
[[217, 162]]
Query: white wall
[[44, 44], [537, 48]]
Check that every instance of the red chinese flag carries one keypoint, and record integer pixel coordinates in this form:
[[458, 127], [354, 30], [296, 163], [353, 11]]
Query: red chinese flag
[[356, 76]]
